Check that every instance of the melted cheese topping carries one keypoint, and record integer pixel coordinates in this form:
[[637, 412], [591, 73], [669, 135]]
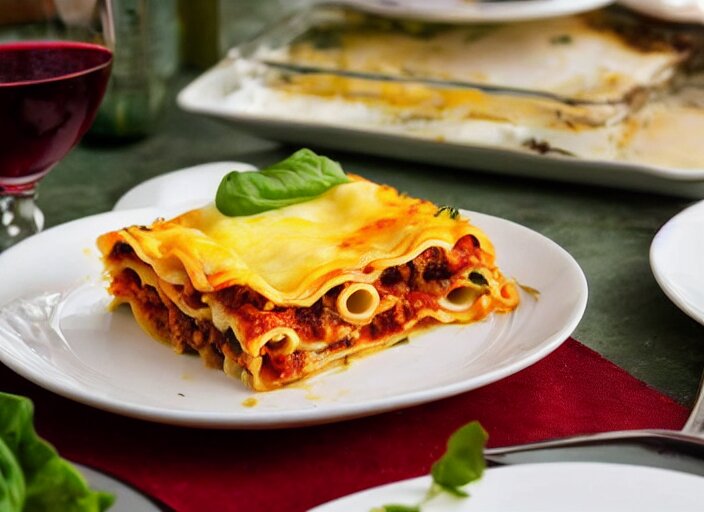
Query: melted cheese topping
[[294, 255]]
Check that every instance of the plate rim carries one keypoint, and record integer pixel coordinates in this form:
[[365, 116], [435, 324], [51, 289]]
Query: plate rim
[[315, 416], [659, 273]]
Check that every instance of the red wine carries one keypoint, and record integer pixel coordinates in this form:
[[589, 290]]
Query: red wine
[[49, 94]]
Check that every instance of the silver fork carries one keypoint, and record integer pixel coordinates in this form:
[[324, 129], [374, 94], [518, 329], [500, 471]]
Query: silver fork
[[681, 450]]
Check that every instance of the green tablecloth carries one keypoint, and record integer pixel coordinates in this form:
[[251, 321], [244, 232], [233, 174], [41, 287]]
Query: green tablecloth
[[628, 318]]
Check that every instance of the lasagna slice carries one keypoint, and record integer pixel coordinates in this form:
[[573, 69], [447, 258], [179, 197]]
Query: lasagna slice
[[278, 296]]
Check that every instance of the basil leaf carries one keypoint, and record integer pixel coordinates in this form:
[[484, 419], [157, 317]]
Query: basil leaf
[[301, 177], [51, 484], [463, 462]]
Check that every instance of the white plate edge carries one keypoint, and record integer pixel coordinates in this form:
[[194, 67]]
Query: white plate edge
[[659, 274]]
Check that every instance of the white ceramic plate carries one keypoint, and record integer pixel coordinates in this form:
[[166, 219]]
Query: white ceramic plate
[[677, 260], [553, 487], [177, 187], [463, 11], [127, 499], [55, 330]]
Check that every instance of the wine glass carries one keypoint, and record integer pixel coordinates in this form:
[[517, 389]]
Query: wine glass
[[55, 60]]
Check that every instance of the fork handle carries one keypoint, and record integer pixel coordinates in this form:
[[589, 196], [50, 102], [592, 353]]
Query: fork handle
[[695, 422]]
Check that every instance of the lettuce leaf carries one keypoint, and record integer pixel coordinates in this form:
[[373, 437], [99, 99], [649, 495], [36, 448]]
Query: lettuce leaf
[[301, 177], [33, 477], [12, 487]]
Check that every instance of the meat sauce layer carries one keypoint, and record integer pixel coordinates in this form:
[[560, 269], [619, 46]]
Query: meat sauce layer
[[404, 289]]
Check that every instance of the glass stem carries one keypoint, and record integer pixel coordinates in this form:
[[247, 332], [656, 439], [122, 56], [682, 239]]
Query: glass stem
[[19, 218]]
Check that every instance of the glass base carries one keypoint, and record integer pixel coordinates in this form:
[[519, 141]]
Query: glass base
[[19, 218]]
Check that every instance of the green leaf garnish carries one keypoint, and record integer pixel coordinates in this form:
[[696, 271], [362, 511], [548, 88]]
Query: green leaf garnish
[[301, 177], [462, 463], [33, 478], [451, 212]]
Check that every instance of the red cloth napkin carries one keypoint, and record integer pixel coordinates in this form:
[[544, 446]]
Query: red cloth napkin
[[572, 391]]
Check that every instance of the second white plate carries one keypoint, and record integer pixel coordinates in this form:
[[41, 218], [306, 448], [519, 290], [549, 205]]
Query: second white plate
[[677, 260]]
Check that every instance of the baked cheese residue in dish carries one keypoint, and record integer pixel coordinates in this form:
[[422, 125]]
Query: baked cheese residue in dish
[[595, 56], [600, 86], [278, 296]]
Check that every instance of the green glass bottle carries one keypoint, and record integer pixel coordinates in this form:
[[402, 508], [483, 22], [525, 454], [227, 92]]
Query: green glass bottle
[[200, 34], [146, 58]]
